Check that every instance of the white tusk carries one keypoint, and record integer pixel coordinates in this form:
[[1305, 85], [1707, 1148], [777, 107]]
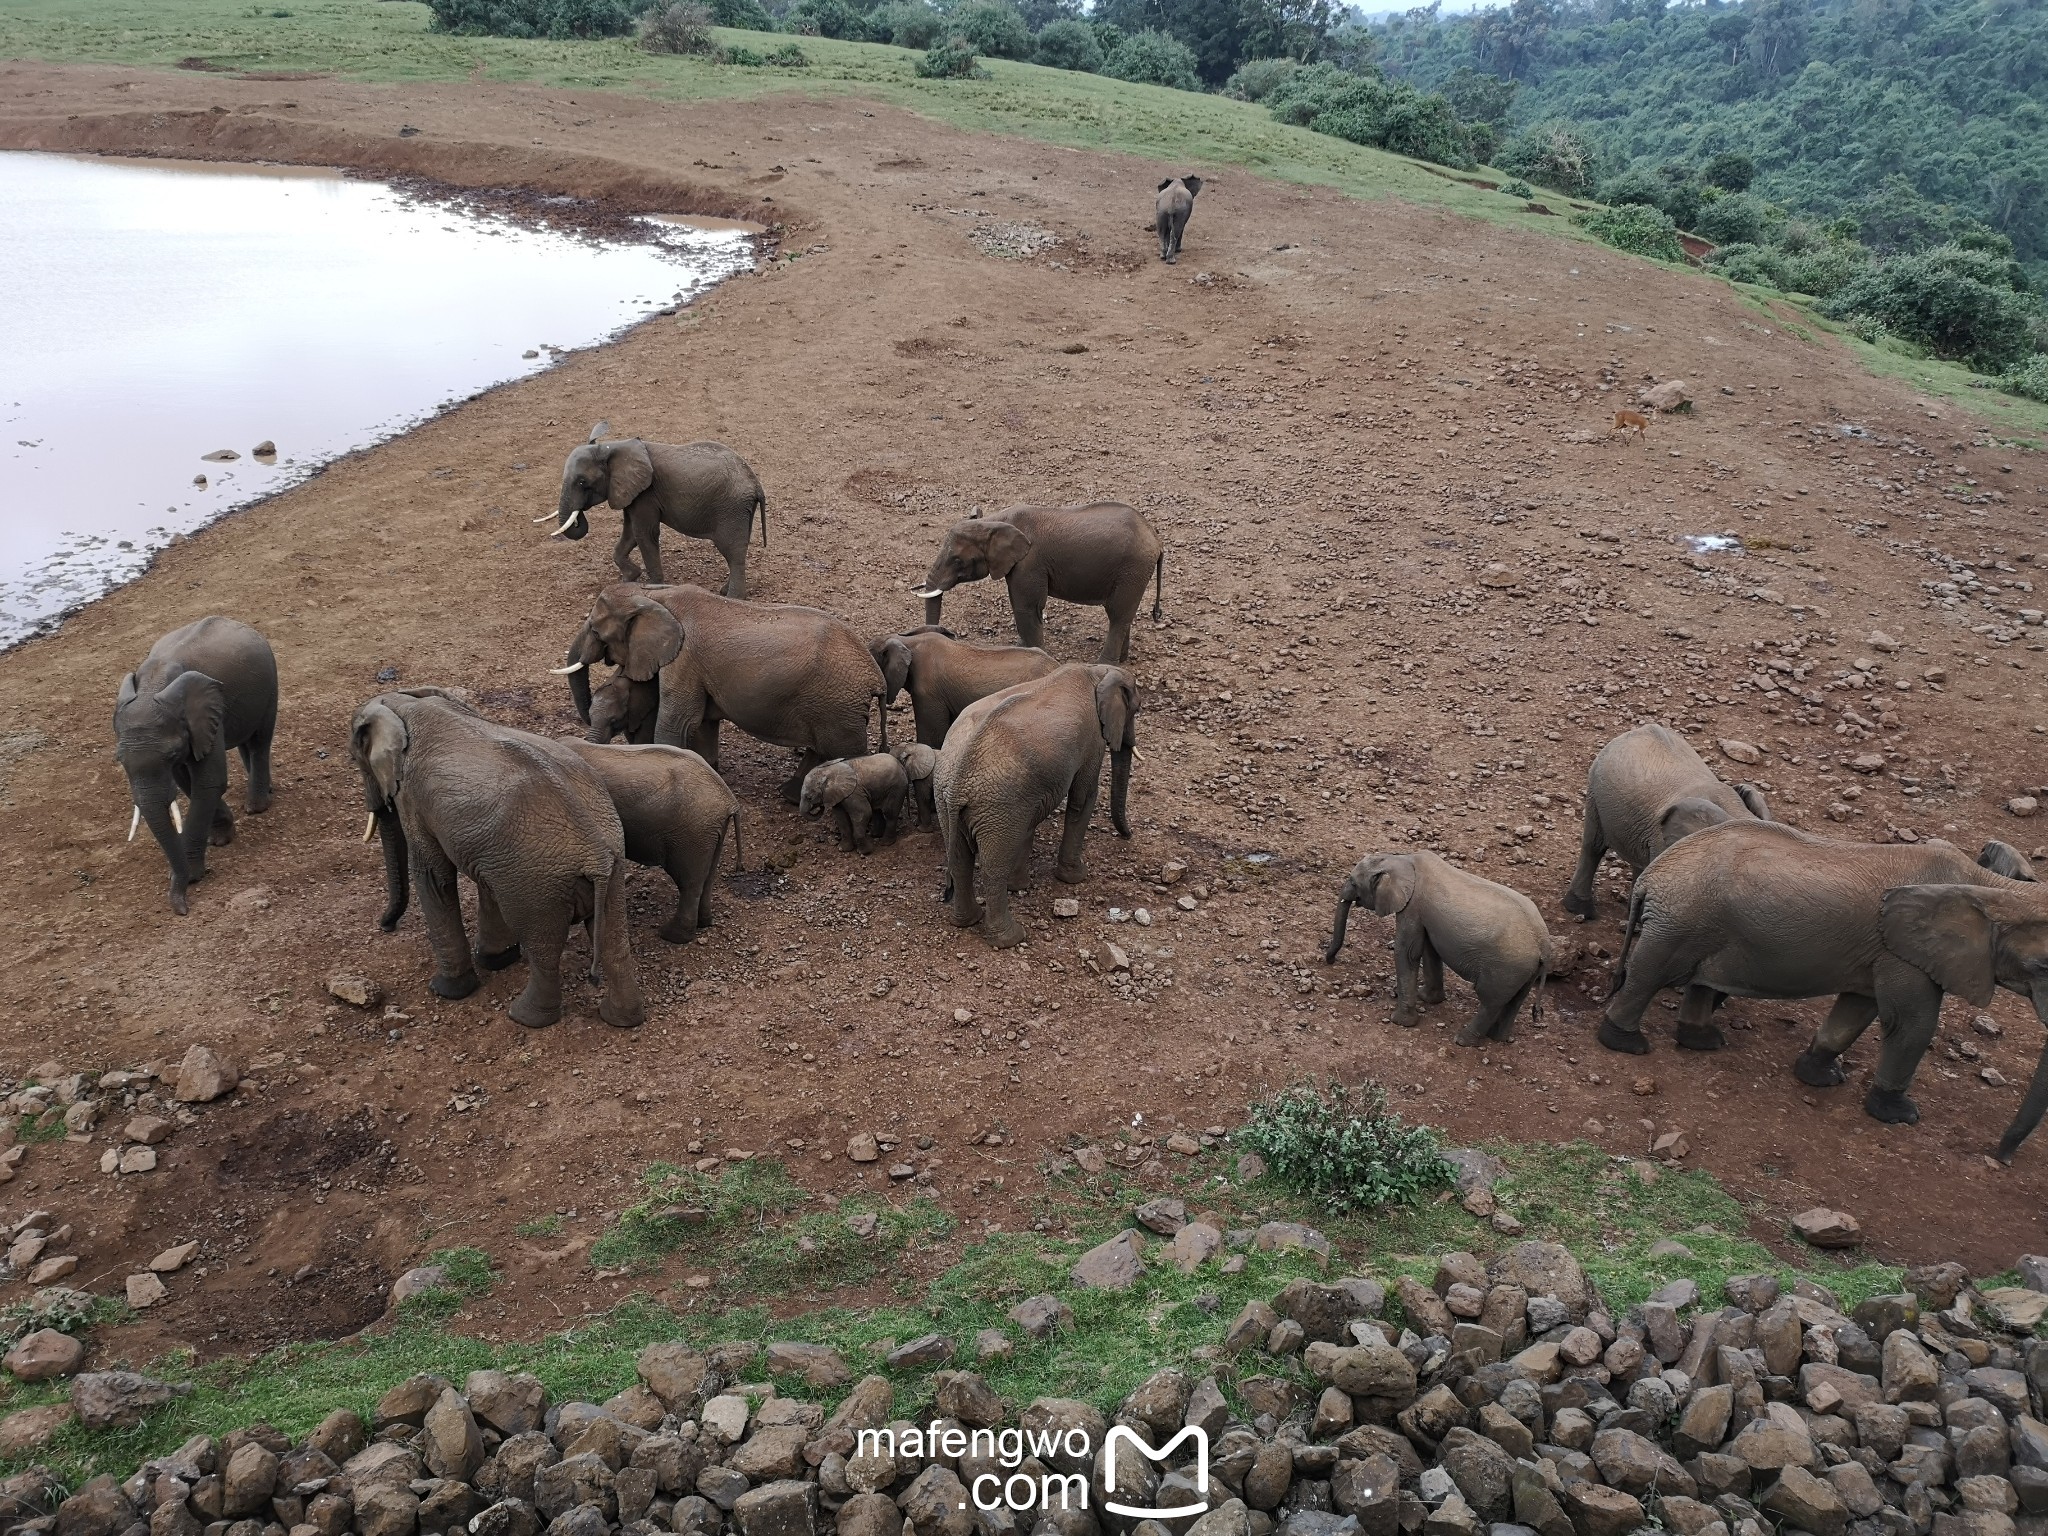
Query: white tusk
[[567, 523], [933, 592], [370, 827], [574, 666], [134, 822], [177, 820], [547, 517], [1136, 755]]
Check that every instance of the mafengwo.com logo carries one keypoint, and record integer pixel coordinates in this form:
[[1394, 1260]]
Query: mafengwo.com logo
[[1022, 1490]]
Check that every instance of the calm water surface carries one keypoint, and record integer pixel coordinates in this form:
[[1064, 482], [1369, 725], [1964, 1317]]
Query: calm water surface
[[152, 313]]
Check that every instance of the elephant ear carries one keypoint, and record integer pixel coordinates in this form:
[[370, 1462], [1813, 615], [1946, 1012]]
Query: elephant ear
[[1192, 183], [1393, 886], [1753, 797], [1166, 183], [129, 689], [1116, 707], [1007, 544], [1684, 817], [653, 639], [598, 431], [630, 472], [1944, 931], [199, 703], [377, 741], [893, 657]]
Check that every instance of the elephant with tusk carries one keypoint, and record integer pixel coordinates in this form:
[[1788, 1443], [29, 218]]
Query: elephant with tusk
[[703, 490], [201, 692]]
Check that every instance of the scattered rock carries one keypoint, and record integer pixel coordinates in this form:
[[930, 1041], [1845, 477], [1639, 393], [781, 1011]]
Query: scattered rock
[[1111, 1266], [2023, 805], [204, 1076], [1827, 1228], [931, 1349], [145, 1290], [1740, 751], [818, 1365], [30, 1429], [417, 1282], [356, 991], [1042, 1316], [118, 1399], [44, 1355]]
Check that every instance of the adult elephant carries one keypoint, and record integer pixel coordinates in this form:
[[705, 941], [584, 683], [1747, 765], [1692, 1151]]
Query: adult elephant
[[674, 810], [1759, 909], [1171, 211], [1645, 791], [202, 691], [703, 490], [1014, 758], [521, 816], [791, 676], [944, 674], [1099, 555]]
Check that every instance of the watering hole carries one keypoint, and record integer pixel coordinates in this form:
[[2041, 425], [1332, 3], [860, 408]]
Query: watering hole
[[163, 320]]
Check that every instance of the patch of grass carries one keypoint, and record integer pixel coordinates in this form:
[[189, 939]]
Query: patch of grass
[[47, 1126], [466, 1274], [549, 1225], [61, 1308]]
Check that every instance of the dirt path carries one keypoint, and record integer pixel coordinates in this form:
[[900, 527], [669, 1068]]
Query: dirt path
[[1412, 585]]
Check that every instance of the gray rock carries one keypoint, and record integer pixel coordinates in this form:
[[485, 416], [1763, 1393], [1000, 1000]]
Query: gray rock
[[1638, 1465], [867, 1406], [965, 1396], [722, 1486], [1545, 1269], [1230, 1518], [697, 1516], [935, 1504], [118, 1399], [408, 1402], [1806, 1502], [1483, 1471], [1114, 1265], [384, 1510], [1057, 1417], [1165, 1216], [770, 1454], [678, 1375], [1370, 1369], [449, 1441], [1042, 1316], [1272, 1470], [927, 1350], [1597, 1510], [339, 1436], [816, 1364], [98, 1509], [572, 1481], [1207, 1409], [786, 1508], [583, 1520], [507, 1517], [249, 1481], [1323, 1311], [1253, 1327], [44, 1355], [870, 1514], [510, 1404]]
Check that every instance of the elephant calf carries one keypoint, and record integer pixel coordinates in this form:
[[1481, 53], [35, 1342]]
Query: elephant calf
[[1645, 791], [1492, 936], [201, 692], [674, 808], [621, 707], [865, 795], [1171, 211], [919, 761]]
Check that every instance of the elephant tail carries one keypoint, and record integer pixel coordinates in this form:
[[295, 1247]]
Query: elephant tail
[[1158, 585], [1630, 931], [739, 855], [761, 511], [882, 720]]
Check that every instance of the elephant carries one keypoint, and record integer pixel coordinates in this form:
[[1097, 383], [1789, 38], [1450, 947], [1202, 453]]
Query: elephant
[[1971, 941], [1102, 553], [2004, 859], [1170, 213], [202, 690], [1760, 909], [1645, 791], [621, 707], [1492, 936], [704, 490], [674, 809], [919, 761], [526, 819], [793, 677], [865, 795], [1010, 760], [945, 674]]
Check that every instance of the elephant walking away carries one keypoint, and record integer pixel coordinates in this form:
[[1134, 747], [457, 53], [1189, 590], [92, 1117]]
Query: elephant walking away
[[1492, 936], [523, 817], [866, 797], [1009, 762], [1759, 909], [944, 674], [1170, 213], [201, 692], [790, 676], [674, 810], [1645, 791], [703, 490], [1098, 555]]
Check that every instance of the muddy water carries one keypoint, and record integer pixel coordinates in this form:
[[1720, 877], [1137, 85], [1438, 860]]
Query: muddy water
[[154, 313]]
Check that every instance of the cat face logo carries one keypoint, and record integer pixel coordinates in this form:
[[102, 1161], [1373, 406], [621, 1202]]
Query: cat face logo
[[1138, 1511]]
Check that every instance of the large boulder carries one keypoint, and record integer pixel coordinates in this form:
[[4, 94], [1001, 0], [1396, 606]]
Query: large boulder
[[408, 1402], [99, 1508], [1597, 1510], [678, 1375], [510, 1404], [1114, 1265], [1483, 1472], [1545, 1269], [249, 1481], [1638, 1465], [818, 1365], [1373, 1368], [449, 1441], [44, 1355], [936, 1504], [1806, 1503], [118, 1399]]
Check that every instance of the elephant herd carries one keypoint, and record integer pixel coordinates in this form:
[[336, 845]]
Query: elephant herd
[[1726, 901]]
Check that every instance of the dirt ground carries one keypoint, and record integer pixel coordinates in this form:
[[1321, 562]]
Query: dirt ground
[[1413, 582]]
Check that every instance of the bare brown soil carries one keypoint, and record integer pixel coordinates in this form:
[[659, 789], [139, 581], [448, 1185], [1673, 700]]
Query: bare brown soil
[[1342, 416]]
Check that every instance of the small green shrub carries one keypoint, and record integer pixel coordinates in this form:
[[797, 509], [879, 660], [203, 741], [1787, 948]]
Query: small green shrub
[[746, 15], [738, 53], [951, 58], [680, 27], [1484, 139], [1516, 187], [1256, 79], [1636, 228], [2029, 379], [1152, 57], [906, 23], [557, 19], [1345, 1146], [1737, 218], [1826, 270], [1971, 306], [1552, 154], [1747, 263], [788, 56], [1067, 45], [58, 1307], [992, 29]]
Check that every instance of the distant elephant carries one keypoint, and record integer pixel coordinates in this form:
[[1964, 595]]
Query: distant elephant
[[1014, 758], [2004, 859], [1759, 909], [523, 817], [1645, 791], [1492, 936], [202, 691], [1102, 553], [1170, 213], [919, 762], [944, 674], [674, 809], [621, 707], [791, 676], [866, 797], [704, 490]]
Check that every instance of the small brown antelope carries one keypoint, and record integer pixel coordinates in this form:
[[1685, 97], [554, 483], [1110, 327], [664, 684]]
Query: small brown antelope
[[1631, 421]]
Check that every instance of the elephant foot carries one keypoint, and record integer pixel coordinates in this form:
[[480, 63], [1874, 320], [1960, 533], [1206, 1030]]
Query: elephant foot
[[1473, 1034], [677, 933], [1819, 1069], [1891, 1106], [179, 904], [256, 804], [499, 959], [619, 1016], [1073, 874], [963, 919], [389, 921], [533, 1014], [1700, 1037], [453, 987], [1629, 1041], [1007, 935], [220, 834], [1579, 906], [1407, 1018], [1431, 996], [2008, 1149]]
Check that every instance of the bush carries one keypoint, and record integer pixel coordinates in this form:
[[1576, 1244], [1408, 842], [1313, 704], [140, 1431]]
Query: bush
[[1151, 57], [992, 28], [951, 58], [534, 18], [747, 15], [1353, 1155], [789, 56], [1826, 270], [1369, 110], [1731, 171], [1554, 155], [1068, 45], [906, 23], [1634, 227], [1633, 186], [1738, 219], [1516, 187], [1425, 127], [2028, 379], [1962, 304], [737, 54], [681, 27], [827, 18], [1747, 263], [1256, 79], [1484, 140]]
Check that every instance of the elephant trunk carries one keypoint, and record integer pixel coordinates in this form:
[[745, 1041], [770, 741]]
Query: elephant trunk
[[397, 870], [1120, 790], [579, 690], [2036, 1101], [154, 801], [1337, 928], [933, 606]]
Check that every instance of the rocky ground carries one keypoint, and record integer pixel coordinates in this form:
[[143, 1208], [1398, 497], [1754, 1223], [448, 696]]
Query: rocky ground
[[1413, 583]]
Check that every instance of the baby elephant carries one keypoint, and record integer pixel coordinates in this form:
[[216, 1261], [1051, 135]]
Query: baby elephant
[[1171, 212], [674, 808], [866, 796], [1488, 934], [918, 761]]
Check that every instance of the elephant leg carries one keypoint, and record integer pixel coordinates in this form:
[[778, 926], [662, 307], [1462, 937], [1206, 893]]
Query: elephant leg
[[690, 885], [1504, 1024], [793, 787], [433, 876], [649, 542], [1697, 1030], [1820, 1064], [1432, 974], [1082, 794], [256, 764], [220, 826], [999, 858], [850, 836], [543, 937], [1655, 963], [622, 554], [1027, 607], [1908, 1013], [965, 910], [623, 1005], [680, 720], [735, 553], [497, 946], [1578, 896], [1409, 944], [207, 819], [1116, 645]]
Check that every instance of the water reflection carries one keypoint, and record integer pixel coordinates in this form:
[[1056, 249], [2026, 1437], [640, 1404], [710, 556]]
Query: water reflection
[[156, 312]]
